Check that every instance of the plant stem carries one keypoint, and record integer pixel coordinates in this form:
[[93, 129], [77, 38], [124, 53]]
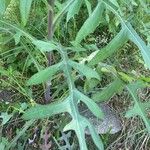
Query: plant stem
[[47, 93]]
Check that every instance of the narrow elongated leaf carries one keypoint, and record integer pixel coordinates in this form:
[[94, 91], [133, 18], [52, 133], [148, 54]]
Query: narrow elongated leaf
[[60, 14], [2, 146], [108, 91], [145, 51], [3, 143], [44, 46], [5, 117], [2, 7], [19, 134], [111, 5], [85, 70], [145, 5], [25, 6], [95, 109], [76, 48], [74, 9], [88, 5], [44, 75], [44, 111], [116, 43], [98, 142], [17, 37], [139, 108], [115, 3], [132, 34], [90, 84], [91, 23]]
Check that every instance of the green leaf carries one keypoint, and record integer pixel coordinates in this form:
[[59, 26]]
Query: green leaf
[[4, 142], [60, 14], [125, 77], [3, 71], [17, 37], [85, 70], [145, 51], [139, 108], [88, 5], [132, 34], [45, 46], [95, 109], [115, 3], [25, 6], [145, 5], [79, 127], [44, 111], [116, 43], [19, 134], [44, 75], [108, 91], [2, 146], [76, 48], [74, 9], [98, 142], [91, 23], [78, 123], [90, 84], [6, 117], [2, 7], [111, 5]]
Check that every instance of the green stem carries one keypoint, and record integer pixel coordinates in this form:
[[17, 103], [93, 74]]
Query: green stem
[[67, 72]]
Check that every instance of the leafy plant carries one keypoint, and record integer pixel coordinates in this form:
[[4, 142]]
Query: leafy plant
[[139, 108], [74, 60], [78, 123]]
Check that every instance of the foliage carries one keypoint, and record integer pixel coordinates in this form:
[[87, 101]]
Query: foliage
[[75, 58]]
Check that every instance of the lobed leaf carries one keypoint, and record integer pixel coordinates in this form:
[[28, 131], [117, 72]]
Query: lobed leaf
[[80, 132], [79, 127], [131, 33], [138, 108], [78, 123], [95, 109]]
